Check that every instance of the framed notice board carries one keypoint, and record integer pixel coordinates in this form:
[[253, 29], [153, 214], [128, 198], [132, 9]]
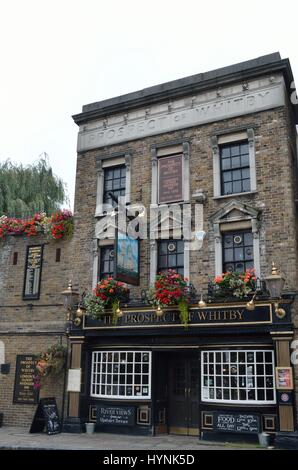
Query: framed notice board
[[33, 269], [24, 391], [284, 378]]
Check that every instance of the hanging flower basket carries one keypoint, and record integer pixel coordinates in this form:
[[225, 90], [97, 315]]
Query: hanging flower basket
[[50, 362]]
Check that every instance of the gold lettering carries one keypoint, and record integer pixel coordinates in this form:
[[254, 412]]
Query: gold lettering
[[202, 315], [212, 316]]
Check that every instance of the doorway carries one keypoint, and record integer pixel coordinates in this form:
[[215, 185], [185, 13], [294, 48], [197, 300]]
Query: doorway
[[183, 397]]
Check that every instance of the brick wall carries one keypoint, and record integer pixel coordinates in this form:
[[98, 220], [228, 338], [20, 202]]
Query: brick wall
[[31, 326]]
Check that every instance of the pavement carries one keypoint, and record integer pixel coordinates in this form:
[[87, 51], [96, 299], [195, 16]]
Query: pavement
[[17, 438]]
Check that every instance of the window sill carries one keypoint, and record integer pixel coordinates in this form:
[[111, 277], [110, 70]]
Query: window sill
[[247, 193]]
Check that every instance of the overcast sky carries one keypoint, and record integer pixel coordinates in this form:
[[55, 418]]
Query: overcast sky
[[57, 55]]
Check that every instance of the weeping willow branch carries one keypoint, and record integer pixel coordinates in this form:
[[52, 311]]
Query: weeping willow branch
[[25, 190]]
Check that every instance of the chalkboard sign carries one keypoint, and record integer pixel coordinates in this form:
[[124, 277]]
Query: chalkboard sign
[[236, 422], [117, 415], [46, 416], [24, 391]]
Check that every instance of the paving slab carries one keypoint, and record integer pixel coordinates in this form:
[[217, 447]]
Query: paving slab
[[19, 438]]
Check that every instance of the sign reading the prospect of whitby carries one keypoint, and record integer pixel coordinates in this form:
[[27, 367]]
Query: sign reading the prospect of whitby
[[116, 415], [236, 422], [170, 179], [33, 272], [24, 392], [127, 265], [208, 316]]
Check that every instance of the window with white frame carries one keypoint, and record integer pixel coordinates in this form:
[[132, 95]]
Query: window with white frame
[[236, 376], [121, 374], [234, 163]]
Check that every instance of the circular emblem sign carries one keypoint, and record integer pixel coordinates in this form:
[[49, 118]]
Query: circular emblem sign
[[284, 397]]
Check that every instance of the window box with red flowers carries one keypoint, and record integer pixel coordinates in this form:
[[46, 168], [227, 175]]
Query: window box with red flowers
[[57, 226], [106, 298], [234, 284], [170, 288]]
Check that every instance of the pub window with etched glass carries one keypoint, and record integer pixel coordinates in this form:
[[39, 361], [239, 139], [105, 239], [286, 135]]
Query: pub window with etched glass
[[114, 182], [237, 251], [236, 376], [171, 256], [235, 169], [121, 374], [106, 261]]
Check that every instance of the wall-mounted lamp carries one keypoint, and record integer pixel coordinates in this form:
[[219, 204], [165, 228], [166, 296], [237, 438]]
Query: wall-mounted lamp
[[202, 303], [72, 305], [275, 283]]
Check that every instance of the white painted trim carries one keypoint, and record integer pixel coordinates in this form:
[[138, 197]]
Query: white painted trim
[[220, 228], [229, 138], [252, 159], [102, 164], [107, 163], [186, 259], [153, 261], [96, 262], [2, 352]]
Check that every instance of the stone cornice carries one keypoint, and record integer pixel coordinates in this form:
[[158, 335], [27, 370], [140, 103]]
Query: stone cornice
[[269, 64]]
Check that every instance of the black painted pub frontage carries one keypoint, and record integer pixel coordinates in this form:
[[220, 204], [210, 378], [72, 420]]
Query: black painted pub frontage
[[228, 371]]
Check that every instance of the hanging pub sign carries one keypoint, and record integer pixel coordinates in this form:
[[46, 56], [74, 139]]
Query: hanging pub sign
[[127, 259], [24, 391], [170, 177], [33, 272]]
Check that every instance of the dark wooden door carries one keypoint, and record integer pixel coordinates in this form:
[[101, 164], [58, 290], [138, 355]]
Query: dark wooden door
[[183, 416]]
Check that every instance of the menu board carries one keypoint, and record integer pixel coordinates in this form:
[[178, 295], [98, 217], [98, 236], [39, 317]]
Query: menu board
[[33, 272], [46, 417], [24, 392], [236, 422], [170, 179]]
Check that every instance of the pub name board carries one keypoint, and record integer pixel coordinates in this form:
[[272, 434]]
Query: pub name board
[[24, 391], [207, 316]]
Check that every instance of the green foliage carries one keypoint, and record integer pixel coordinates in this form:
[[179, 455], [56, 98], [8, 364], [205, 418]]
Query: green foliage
[[183, 312], [25, 190], [94, 306]]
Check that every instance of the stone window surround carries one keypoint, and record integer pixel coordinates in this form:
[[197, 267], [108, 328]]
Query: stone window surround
[[106, 161], [2, 353], [230, 136], [97, 244], [248, 221], [159, 151], [102, 162]]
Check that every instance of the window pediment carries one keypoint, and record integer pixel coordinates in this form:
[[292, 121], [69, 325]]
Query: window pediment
[[235, 210]]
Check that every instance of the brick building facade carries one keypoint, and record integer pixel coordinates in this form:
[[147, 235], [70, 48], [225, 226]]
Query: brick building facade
[[30, 326], [230, 136]]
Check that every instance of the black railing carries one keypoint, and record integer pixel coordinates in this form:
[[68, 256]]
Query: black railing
[[215, 291]]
